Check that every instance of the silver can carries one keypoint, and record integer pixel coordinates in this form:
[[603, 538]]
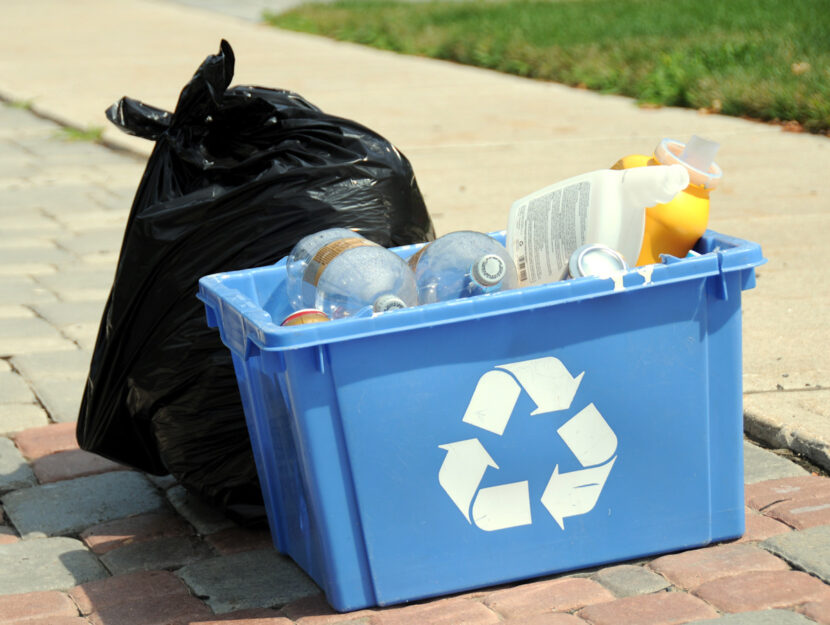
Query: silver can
[[596, 260]]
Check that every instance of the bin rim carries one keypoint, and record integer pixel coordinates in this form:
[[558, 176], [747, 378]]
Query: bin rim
[[243, 323]]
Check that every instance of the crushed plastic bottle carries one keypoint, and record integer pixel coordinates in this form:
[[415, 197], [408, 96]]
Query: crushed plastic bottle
[[674, 227], [364, 280], [304, 263], [462, 264]]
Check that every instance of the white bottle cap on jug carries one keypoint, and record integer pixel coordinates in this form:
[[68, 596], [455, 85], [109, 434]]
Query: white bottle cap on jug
[[697, 157]]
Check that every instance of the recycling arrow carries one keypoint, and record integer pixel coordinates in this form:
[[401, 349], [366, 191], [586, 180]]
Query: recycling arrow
[[503, 506], [462, 470], [589, 436], [493, 401], [547, 381], [552, 388], [576, 492]]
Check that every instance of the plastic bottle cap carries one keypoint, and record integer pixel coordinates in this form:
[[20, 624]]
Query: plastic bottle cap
[[700, 153], [595, 260], [697, 158], [489, 270], [388, 302]]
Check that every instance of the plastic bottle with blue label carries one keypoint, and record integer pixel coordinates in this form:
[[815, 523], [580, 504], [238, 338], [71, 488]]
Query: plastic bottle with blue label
[[606, 206], [462, 264]]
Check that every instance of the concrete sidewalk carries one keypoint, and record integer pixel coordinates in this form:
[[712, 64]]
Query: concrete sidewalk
[[477, 140]]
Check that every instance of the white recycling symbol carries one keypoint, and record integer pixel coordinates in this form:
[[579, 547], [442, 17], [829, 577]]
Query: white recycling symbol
[[552, 388]]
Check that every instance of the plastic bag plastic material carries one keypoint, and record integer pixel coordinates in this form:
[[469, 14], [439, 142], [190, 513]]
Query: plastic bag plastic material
[[237, 176]]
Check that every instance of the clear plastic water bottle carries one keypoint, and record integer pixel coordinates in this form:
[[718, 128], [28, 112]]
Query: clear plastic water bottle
[[309, 255], [462, 264], [365, 280]]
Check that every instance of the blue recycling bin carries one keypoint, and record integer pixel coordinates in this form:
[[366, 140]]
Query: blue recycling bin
[[497, 438]]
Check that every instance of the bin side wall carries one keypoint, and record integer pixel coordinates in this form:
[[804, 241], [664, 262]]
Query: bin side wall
[[402, 399]]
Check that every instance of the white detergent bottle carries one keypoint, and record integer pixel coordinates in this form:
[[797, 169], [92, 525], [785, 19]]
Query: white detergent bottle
[[605, 206]]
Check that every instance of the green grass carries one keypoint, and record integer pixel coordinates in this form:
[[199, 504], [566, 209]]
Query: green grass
[[764, 59], [92, 133], [23, 105]]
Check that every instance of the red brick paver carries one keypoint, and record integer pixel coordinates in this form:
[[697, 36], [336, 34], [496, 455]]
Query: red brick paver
[[109, 591], [553, 618], [760, 527], [7, 536], [108, 536], [690, 569], [66, 465], [35, 443], [254, 616], [764, 494], [802, 512], [146, 598], [236, 620], [352, 618], [819, 611], [662, 608], [315, 610], [31, 605], [762, 590], [149, 610], [52, 620], [452, 611], [557, 595], [237, 539]]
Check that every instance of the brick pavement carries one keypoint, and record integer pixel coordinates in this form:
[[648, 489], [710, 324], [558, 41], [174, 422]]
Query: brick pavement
[[84, 541]]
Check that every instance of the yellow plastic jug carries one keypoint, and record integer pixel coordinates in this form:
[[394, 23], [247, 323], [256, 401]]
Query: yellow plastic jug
[[674, 228]]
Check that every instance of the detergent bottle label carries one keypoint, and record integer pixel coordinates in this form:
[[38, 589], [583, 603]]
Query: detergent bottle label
[[545, 228]]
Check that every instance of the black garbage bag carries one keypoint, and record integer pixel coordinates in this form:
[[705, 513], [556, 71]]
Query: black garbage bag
[[237, 176]]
